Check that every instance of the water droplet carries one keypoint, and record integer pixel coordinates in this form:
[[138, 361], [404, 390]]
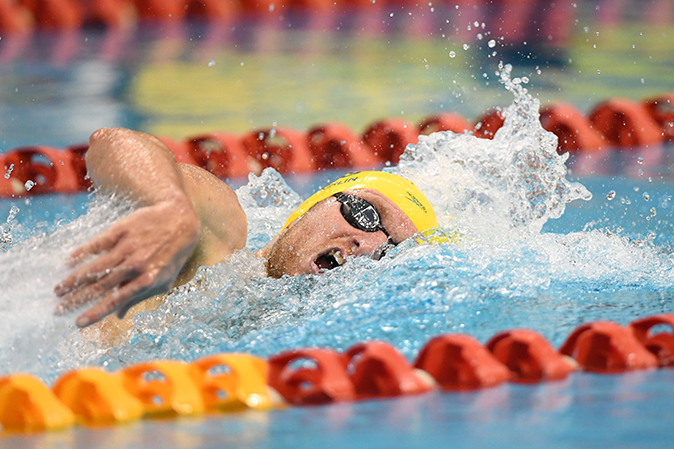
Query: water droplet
[[646, 196], [211, 63], [653, 212], [452, 54], [640, 160], [29, 185], [610, 195], [491, 43], [466, 46], [598, 72]]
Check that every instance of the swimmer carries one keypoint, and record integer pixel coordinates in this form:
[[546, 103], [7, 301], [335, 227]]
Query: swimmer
[[187, 218]]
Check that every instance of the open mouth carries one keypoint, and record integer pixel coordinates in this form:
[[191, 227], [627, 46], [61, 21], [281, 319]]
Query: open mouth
[[329, 260]]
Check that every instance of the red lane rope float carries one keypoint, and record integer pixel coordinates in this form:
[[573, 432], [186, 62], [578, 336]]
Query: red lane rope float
[[284, 149], [529, 356], [460, 362], [114, 14], [626, 123], [178, 9], [377, 369], [79, 165], [388, 138], [574, 132], [335, 145], [487, 125], [662, 110], [310, 376], [36, 170], [661, 344], [444, 121], [15, 18], [55, 14], [319, 376], [222, 154], [6, 189], [607, 347]]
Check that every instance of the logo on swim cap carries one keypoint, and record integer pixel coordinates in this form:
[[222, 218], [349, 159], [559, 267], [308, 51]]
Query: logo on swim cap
[[402, 192]]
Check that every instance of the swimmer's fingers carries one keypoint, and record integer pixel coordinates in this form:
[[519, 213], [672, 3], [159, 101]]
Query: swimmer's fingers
[[90, 273], [97, 245], [106, 283], [120, 299]]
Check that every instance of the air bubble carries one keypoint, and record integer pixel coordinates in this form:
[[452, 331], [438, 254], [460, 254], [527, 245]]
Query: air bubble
[[491, 43], [211, 63], [466, 46], [646, 196], [452, 54], [610, 195], [29, 185]]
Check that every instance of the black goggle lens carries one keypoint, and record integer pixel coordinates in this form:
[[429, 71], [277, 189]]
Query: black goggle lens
[[360, 213]]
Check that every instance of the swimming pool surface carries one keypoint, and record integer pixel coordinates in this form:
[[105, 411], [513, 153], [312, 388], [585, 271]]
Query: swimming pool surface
[[606, 258]]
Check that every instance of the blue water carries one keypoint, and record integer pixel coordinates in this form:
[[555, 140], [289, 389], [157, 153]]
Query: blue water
[[585, 411], [609, 257]]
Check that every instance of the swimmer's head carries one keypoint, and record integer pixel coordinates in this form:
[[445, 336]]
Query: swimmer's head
[[400, 191], [360, 214]]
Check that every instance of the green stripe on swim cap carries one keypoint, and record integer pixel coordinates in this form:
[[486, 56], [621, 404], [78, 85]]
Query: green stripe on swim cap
[[402, 192]]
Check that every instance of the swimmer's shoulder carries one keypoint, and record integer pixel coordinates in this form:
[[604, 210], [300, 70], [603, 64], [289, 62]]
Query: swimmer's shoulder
[[223, 222]]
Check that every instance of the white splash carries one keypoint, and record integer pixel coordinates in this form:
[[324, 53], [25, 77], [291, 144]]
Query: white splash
[[498, 188], [31, 333]]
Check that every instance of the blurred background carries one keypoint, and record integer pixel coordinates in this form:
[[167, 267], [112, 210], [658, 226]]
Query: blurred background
[[176, 68]]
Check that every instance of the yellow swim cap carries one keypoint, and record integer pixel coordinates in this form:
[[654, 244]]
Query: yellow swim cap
[[402, 192]]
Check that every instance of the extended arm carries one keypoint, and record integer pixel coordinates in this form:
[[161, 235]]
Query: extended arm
[[186, 218]]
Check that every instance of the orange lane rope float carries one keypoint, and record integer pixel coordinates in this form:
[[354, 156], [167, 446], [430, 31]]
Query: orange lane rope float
[[312, 376], [616, 124]]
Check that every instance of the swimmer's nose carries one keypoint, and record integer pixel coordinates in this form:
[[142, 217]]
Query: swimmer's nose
[[370, 244]]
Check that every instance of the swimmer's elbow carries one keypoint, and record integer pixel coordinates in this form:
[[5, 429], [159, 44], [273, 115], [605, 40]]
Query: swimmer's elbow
[[107, 135]]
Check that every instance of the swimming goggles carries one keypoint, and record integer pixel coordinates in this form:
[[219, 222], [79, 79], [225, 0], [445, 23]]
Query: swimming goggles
[[361, 214]]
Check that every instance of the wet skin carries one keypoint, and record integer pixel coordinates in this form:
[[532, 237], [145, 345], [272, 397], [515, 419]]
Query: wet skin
[[188, 218], [323, 233]]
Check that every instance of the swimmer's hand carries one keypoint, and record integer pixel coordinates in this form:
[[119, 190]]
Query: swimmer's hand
[[139, 256]]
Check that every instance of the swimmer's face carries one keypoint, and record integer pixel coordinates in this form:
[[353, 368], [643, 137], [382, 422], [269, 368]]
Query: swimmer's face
[[322, 238]]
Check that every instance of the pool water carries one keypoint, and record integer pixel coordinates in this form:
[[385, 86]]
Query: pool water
[[607, 255]]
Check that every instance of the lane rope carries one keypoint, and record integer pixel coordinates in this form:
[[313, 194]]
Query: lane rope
[[312, 376], [615, 124]]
